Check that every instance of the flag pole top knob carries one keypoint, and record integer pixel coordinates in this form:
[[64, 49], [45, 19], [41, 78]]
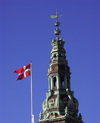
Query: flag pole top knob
[[57, 23]]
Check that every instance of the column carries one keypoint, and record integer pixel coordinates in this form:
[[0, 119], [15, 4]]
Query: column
[[49, 79], [51, 83], [58, 82]]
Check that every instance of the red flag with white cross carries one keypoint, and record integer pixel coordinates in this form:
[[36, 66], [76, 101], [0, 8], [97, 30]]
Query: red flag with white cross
[[23, 71]]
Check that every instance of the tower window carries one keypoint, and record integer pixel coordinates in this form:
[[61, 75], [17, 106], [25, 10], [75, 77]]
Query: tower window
[[54, 55], [56, 114], [51, 114], [54, 80]]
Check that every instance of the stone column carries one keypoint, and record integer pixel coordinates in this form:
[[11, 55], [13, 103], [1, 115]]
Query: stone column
[[49, 79], [52, 83], [57, 102], [58, 82]]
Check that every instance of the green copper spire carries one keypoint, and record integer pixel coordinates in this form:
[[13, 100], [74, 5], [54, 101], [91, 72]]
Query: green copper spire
[[60, 105], [57, 23]]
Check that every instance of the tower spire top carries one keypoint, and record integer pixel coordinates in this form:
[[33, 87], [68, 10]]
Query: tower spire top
[[57, 23], [56, 16]]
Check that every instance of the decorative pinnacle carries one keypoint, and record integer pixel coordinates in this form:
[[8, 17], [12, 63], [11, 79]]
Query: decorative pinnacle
[[57, 31], [56, 16]]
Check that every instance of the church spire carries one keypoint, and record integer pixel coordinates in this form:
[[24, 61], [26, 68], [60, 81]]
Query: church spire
[[60, 104]]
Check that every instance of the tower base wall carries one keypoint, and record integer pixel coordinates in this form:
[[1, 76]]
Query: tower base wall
[[61, 120]]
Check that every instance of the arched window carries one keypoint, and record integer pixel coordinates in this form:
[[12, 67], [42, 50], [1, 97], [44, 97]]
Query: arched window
[[56, 114], [54, 55], [54, 81], [51, 114]]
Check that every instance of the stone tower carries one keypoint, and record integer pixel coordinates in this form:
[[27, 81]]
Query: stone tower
[[60, 105]]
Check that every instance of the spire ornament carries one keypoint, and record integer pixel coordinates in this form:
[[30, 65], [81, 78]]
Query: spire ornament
[[57, 23]]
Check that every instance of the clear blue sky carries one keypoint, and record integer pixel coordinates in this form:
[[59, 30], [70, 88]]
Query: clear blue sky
[[26, 31]]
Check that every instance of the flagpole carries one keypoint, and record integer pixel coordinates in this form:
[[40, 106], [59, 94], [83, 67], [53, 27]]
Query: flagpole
[[32, 116]]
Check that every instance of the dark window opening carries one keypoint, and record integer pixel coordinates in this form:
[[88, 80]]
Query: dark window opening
[[56, 114], [51, 114], [54, 55], [54, 80]]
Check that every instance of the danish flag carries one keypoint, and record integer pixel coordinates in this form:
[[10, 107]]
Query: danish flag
[[23, 72]]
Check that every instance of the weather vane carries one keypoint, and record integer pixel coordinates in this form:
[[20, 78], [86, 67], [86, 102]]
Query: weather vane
[[57, 23], [56, 16]]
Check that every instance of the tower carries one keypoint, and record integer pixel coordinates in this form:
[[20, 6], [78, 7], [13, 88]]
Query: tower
[[60, 105]]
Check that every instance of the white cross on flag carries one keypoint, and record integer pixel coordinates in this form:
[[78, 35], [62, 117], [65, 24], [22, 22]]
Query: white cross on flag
[[23, 72]]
